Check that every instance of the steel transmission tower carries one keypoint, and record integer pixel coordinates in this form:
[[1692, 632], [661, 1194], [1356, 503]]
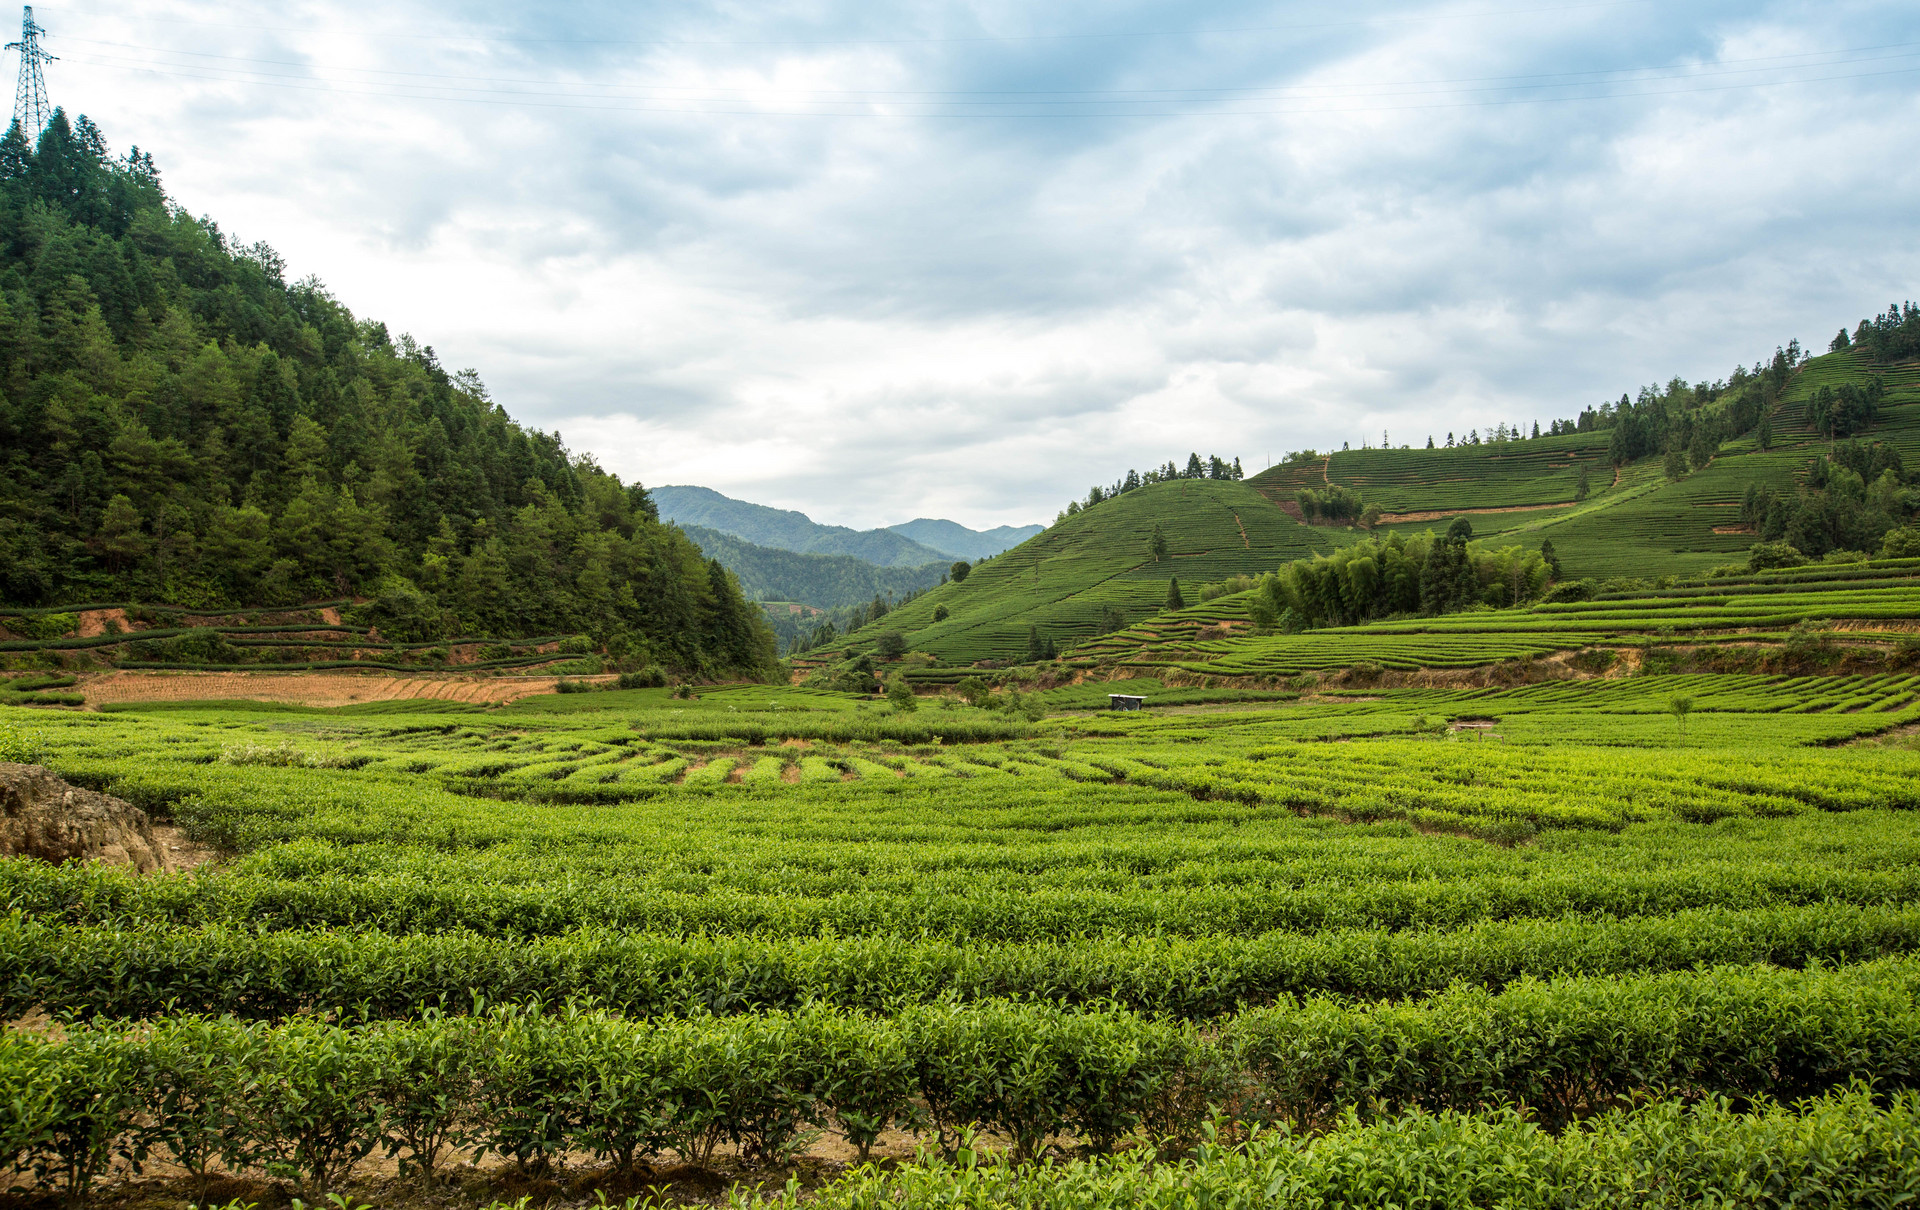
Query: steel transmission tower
[[30, 99]]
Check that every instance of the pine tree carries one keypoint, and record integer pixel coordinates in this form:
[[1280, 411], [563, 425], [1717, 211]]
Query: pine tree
[[1174, 599], [1583, 486], [1674, 463], [1157, 545]]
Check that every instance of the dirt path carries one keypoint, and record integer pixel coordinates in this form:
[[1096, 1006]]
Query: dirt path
[[307, 689], [1243, 531], [1443, 514]]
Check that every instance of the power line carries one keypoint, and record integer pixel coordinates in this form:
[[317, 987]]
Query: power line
[[1839, 56], [915, 40], [897, 107], [30, 96]]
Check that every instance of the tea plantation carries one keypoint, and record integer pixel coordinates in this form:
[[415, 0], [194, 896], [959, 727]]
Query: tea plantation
[[1554, 944]]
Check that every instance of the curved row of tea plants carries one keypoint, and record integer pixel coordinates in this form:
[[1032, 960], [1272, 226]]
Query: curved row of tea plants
[[308, 1098]]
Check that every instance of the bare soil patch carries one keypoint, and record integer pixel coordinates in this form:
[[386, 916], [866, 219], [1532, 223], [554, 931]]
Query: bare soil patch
[[185, 854], [93, 622], [308, 688]]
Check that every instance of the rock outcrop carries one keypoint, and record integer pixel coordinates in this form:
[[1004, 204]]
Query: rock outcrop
[[42, 816]]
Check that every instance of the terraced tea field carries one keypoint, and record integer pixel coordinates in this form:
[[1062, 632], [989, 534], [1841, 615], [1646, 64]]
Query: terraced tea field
[[598, 940], [1873, 606], [1064, 581]]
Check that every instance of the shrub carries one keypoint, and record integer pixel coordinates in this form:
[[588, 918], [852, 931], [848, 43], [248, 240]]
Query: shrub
[[1901, 543], [651, 677], [975, 690], [1592, 659], [94, 1097], [44, 626], [1808, 639], [1764, 556], [577, 644], [401, 613], [1570, 590]]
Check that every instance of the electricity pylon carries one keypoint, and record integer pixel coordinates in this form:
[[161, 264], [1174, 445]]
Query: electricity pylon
[[30, 98]]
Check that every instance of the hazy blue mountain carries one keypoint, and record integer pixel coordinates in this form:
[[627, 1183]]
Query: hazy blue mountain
[[961, 542], [784, 529], [823, 581]]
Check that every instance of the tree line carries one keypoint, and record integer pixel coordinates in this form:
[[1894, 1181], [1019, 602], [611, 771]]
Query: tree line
[[1893, 336], [1855, 494], [182, 424], [1383, 577], [1214, 467]]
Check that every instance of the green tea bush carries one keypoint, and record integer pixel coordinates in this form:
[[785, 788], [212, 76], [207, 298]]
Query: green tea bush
[[1850, 1149], [20, 744]]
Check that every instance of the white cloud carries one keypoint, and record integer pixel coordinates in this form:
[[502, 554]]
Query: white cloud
[[764, 251]]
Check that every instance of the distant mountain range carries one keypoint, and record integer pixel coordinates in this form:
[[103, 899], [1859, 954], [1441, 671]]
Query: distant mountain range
[[961, 542], [910, 544], [823, 581]]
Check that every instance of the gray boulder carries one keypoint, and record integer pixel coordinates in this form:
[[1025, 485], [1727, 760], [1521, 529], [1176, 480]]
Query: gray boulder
[[42, 816]]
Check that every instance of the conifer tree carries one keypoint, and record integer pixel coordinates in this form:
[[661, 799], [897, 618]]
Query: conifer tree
[[1174, 599]]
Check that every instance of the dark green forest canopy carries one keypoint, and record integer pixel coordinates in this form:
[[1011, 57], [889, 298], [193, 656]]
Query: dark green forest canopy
[[182, 425]]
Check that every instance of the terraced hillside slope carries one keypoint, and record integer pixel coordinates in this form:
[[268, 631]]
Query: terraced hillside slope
[[1638, 523], [1652, 527], [1541, 472], [324, 636], [1802, 614], [1636, 520], [1065, 581]]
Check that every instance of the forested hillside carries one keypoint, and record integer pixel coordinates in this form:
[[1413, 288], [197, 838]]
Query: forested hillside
[[180, 424]]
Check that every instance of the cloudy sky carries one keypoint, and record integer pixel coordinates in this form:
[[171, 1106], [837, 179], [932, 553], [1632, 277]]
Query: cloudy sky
[[964, 259]]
